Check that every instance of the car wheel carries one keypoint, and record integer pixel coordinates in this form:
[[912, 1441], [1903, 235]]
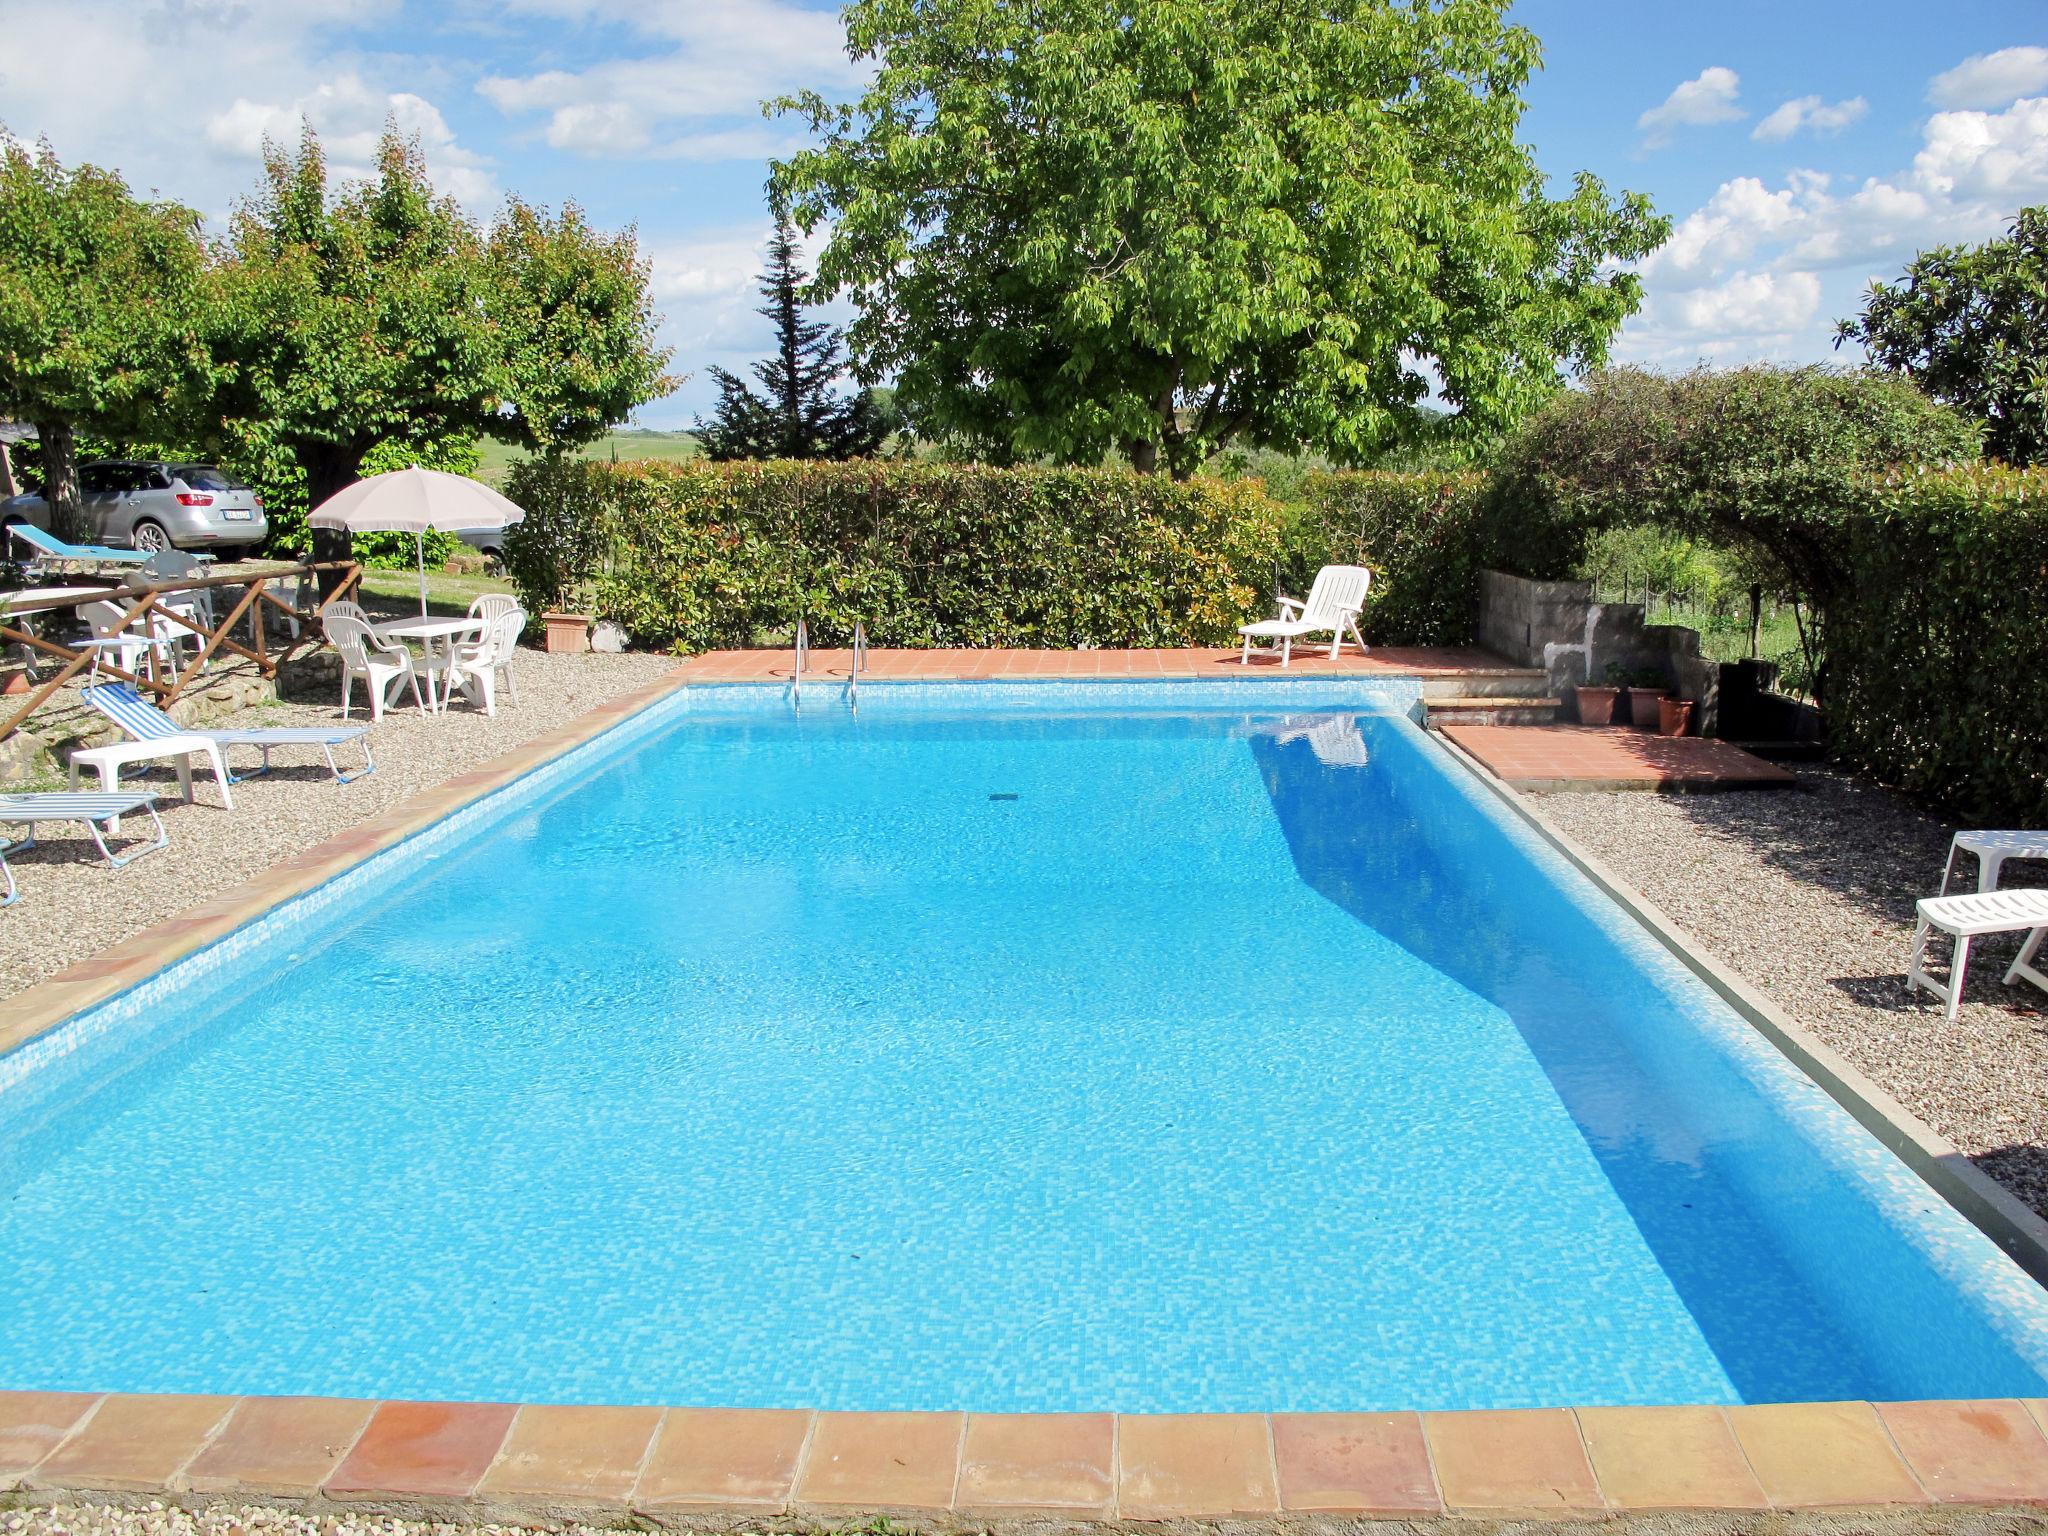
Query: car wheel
[[150, 537]]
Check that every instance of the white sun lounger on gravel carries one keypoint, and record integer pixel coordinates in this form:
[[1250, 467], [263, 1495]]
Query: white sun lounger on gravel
[[1972, 916], [29, 809], [1333, 606], [1992, 850], [146, 723]]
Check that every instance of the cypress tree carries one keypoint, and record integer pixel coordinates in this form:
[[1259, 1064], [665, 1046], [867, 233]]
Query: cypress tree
[[797, 415]]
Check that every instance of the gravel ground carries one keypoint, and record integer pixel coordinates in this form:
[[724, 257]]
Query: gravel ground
[[1808, 895], [72, 904]]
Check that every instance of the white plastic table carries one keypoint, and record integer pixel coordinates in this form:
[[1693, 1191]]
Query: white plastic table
[[427, 631], [1992, 850]]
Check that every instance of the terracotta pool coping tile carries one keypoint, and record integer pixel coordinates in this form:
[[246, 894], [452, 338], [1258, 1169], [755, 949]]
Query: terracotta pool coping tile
[[1195, 1466], [1354, 1463], [422, 1451], [133, 1443], [1823, 1455], [33, 1424], [1512, 1463], [1963, 1452], [559, 1460], [723, 1459], [1669, 1459], [279, 1446], [880, 1463], [1056, 1464]]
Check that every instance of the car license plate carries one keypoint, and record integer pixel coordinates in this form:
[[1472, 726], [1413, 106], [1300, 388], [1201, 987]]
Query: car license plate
[[238, 514]]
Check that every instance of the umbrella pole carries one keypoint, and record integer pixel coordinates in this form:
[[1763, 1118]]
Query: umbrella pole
[[420, 545]]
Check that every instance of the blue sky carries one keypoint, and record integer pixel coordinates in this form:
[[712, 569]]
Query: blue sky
[[1803, 146]]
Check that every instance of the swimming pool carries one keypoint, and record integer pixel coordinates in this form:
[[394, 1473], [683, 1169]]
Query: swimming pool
[[1181, 1047]]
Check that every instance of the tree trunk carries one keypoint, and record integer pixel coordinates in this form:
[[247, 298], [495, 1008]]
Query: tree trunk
[[1144, 457], [1756, 622], [329, 468], [7, 485], [60, 482]]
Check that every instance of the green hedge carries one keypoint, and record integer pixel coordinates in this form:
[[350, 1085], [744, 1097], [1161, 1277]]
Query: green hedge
[[696, 555], [1936, 640]]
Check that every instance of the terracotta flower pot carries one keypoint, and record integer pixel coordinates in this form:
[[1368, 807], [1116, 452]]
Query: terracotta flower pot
[[568, 634], [13, 678], [1642, 707], [1596, 705], [1674, 717]]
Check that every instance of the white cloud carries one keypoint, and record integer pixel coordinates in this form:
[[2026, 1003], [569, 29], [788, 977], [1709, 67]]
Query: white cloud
[[1708, 98], [1751, 304], [711, 64], [1992, 79], [1810, 112], [2002, 155]]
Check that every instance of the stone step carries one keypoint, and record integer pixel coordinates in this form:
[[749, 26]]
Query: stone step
[[1494, 683], [1490, 709]]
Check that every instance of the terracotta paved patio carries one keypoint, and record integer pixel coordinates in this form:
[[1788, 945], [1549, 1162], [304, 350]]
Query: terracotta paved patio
[[761, 666], [1577, 757], [949, 1471]]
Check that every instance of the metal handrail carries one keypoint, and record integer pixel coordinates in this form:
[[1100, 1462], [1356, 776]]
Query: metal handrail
[[860, 656], [796, 678]]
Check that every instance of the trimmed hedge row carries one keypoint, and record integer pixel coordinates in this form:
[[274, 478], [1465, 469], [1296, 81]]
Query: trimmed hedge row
[[1937, 637], [697, 555]]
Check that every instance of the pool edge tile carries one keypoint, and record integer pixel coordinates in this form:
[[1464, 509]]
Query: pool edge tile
[[421, 1454], [278, 1447], [1192, 1466], [866, 1464], [1824, 1456], [133, 1443], [1971, 1451], [1370, 1464], [34, 1424], [568, 1462], [1051, 1465], [728, 1461], [1672, 1458], [1513, 1464]]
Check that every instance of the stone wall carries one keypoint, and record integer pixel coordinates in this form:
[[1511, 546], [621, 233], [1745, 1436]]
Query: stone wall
[[1558, 626]]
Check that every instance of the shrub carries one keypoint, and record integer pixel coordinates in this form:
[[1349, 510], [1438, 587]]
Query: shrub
[[1935, 640], [695, 555], [1424, 535]]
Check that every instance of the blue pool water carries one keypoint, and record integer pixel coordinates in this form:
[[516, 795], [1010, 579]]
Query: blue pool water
[[1155, 1049]]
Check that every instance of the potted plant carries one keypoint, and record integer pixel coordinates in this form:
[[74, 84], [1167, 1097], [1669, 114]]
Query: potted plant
[[1674, 717], [1596, 704], [567, 634], [1645, 688]]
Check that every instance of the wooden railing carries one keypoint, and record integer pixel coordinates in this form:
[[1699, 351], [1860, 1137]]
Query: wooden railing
[[273, 585]]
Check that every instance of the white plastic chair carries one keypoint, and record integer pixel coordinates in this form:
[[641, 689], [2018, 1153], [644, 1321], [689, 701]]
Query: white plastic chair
[[381, 664], [1972, 916], [473, 665], [1333, 606], [495, 605]]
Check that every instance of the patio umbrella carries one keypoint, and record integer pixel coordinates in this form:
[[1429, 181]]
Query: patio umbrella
[[412, 501]]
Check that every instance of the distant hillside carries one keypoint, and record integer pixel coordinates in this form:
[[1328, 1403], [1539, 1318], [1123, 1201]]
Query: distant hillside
[[632, 443]]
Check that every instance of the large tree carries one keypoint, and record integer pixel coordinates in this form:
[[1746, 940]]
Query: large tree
[[102, 303], [1969, 324], [384, 314], [799, 414], [1075, 227]]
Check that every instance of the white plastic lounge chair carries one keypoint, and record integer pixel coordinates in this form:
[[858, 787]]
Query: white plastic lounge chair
[[473, 665], [145, 722], [1972, 916], [50, 547], [381, 664], [1333, 606], [29, 809], [1992, 850]]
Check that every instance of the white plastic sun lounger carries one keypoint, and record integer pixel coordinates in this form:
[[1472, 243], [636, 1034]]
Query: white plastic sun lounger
[[1992, 850], [29, 809], [158, 736], [1333, 606], [1972, 916]]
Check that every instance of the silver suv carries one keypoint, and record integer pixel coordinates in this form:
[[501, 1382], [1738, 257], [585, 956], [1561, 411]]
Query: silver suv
[[155, 504]]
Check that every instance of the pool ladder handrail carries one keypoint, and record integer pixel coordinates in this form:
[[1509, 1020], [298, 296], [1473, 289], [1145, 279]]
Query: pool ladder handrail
[[796, 676], [803, 655], [860, 656]]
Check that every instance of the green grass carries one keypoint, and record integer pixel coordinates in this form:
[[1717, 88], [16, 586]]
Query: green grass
[[446, 594], [631, 443]]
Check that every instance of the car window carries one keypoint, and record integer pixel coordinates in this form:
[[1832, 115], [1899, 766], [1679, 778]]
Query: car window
[[155, 479], [95, 479], [204, 477]]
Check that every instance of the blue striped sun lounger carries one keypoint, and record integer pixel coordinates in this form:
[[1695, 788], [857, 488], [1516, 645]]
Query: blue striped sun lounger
[[30, 809], [141, 719], [50, 547]]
